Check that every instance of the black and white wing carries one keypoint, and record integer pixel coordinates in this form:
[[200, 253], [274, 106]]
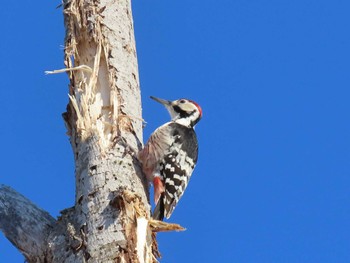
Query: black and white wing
[[176, 168]]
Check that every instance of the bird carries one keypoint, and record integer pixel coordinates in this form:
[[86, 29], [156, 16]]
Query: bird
[[170, 155]]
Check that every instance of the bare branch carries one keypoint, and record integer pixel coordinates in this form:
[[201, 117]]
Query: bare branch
[[24, 224]]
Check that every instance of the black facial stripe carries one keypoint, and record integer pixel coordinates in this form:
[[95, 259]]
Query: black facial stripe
[[177, 109], [183, 114]]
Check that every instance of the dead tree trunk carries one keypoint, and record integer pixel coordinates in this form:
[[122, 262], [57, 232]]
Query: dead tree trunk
[[109, 222]]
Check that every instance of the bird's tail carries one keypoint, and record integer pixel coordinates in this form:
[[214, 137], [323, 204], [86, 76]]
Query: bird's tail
[[158, 212]]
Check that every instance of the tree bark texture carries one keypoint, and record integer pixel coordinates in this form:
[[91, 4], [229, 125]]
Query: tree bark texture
[[110, 219], [24, 224]]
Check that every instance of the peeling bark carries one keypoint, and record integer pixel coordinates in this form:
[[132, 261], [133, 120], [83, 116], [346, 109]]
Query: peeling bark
[[105, 126]]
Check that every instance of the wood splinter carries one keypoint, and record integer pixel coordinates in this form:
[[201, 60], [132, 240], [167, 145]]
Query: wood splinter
[[160, 226]]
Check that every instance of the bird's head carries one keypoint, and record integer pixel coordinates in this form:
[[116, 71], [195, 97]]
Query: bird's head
[[183, 111]]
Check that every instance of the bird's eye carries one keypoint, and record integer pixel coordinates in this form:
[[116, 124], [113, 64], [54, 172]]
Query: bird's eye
[[182, 101]]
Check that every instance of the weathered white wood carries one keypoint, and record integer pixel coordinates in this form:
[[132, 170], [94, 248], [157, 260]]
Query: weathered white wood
[[24, 224], [105, 126]]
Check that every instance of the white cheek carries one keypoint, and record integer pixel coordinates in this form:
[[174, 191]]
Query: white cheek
[[188, 107]]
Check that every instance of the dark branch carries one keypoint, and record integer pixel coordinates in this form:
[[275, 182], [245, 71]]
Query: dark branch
[[24, 224]]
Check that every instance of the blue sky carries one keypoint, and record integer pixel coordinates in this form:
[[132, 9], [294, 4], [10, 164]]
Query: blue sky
[[272, 182]]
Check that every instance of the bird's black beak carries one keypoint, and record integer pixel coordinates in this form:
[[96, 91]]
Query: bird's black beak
[[161, 101]]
